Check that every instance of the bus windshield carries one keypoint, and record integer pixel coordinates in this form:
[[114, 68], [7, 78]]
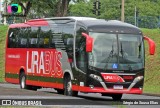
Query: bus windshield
[[117, 51]]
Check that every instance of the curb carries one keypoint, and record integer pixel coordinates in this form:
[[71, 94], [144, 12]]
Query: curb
[[151, 94]]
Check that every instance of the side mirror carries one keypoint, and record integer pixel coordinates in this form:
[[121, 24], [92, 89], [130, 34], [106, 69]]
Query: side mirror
[[89, 42], [151, 45]]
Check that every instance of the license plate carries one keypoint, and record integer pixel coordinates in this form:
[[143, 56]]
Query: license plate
[[119, 87]]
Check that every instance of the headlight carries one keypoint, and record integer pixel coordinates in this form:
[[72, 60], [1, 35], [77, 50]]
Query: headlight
[[137, 79], [96, 77]]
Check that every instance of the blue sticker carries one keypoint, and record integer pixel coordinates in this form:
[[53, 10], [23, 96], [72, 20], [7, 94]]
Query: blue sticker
[[115, 66]]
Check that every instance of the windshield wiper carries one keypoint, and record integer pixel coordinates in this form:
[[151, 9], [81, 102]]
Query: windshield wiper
[[130, 68], [139, 46], [110, 55], [122, 51]]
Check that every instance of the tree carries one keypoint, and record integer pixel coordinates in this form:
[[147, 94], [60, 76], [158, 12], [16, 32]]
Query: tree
[[62, 7], [81, 9], [59, 7]]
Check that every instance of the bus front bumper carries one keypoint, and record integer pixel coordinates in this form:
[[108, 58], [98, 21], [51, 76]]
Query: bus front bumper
[[109, 90]]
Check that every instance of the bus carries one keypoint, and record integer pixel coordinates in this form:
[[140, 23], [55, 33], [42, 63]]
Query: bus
[[77, 54]]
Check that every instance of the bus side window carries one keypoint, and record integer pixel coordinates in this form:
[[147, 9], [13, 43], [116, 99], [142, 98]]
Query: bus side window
[[33, 38], [68, 31], [12, 37], [23, 38], [52, 43], [56, 37], [44, 37]]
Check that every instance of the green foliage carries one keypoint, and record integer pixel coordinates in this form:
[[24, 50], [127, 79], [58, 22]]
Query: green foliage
[[81, 9], [148, 11], [152, 68], [3, 31]]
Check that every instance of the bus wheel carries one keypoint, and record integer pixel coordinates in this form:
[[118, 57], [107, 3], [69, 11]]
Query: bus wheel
[[34, 88], [23, 81], [68, 87], [59, 91], [116, 97]]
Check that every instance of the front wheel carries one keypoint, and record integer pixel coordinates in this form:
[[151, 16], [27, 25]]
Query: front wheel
[[23, 81], [117, 97], [68, 87]]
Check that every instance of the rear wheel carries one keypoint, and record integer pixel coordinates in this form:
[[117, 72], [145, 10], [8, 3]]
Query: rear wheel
[[32, 88], [59, 91], [117, 97], [68, 87]]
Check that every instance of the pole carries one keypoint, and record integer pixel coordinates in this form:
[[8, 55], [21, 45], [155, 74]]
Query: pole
[[0, 11], [5, 11], [122, 11], [0, 17], [135, 16]]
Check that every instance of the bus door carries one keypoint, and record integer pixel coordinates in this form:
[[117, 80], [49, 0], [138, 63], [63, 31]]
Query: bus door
[[81, 57]]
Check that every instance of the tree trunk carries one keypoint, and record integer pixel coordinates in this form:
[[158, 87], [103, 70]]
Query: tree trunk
[[62, 8], [58, 13], [65, 7], [26, 7]]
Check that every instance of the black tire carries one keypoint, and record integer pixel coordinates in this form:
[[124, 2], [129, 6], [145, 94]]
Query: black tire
[[59, 91], [34, 88], [117, 97], [23, 81], [68, 87]]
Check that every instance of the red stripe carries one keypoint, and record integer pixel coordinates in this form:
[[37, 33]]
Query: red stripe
[[36, 83], [18, 25], [12, 80], [37, 22], [45, 84]]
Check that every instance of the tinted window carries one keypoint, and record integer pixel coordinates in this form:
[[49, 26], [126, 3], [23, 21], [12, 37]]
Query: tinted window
[[23, 37], [68, 31], [13, 37], [33, 37], [44, 37], [56, 37], [81, 54]]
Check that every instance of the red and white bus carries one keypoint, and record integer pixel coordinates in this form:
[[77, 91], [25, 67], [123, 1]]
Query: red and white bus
[[77, 54]]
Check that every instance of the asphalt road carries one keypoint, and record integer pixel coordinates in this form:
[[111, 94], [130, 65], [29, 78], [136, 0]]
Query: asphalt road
[[48, 97]]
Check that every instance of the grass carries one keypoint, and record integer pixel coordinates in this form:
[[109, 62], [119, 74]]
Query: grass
[[152, 70], [3, 30]]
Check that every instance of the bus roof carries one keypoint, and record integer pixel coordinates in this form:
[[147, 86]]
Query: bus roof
[[115, 26], [92, 24], [72, 18], [37, 22], [103, 22], [18, 25], [34, 22]]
